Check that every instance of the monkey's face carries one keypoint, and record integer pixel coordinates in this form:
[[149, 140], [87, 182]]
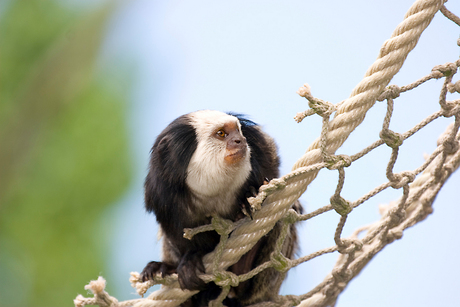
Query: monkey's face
[[221, 161], [236, 145]]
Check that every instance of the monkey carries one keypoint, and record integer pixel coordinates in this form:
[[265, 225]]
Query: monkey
[[208, 163]]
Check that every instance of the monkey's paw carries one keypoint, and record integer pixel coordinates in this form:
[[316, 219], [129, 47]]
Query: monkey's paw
[[154, 267], [246, 207]]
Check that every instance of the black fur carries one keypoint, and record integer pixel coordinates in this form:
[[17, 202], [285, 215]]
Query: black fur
[[167, 195], [166, 192], [264, 160]]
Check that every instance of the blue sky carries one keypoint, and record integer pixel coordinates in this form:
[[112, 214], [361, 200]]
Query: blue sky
[[251, 57]]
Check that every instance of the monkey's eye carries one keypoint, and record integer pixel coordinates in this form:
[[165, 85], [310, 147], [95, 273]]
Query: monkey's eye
[[221, 133]]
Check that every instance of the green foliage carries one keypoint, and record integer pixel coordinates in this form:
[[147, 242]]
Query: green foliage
[[63, 152]]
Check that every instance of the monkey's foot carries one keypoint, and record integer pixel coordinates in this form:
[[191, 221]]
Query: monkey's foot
[[188, 270], [155, 267]]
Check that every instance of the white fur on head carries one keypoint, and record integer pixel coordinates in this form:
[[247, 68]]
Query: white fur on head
[[214, 182]]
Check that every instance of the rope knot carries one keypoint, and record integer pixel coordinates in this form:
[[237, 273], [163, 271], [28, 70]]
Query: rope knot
[[340, 205], [392, 91], [338, 161], [451, 108], [401, 179], [222, 226], [291, 216], [391, 138], [445, 70], [348, 246], [280, 262], [225, 278], [321, 107]]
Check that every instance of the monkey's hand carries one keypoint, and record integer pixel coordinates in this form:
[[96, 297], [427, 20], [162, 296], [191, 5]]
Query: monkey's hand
[[190, 266], [252, 191], [154, 267]]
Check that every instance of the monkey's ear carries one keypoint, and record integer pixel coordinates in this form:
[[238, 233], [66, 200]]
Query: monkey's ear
[[171, 155], [168, 164], [165, 186], [162, 149], [164, 179]]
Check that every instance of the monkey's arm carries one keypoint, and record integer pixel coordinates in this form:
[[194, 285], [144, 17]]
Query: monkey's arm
[[184, 257]]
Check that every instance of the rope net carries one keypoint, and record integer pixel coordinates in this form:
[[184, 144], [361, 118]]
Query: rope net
[[419, 187]]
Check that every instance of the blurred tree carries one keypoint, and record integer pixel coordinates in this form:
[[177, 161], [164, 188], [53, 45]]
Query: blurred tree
[[63, 151]]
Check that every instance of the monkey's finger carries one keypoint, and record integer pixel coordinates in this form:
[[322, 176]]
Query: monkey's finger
[[150, 270]]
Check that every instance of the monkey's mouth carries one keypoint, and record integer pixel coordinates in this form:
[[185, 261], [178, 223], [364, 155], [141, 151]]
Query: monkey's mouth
[[234, 156]]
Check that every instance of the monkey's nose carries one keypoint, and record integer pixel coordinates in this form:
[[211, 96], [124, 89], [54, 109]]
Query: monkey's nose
[[236, 143], [236, 150]]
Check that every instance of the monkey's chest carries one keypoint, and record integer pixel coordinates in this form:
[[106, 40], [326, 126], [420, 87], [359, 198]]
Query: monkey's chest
[[223, 205]]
